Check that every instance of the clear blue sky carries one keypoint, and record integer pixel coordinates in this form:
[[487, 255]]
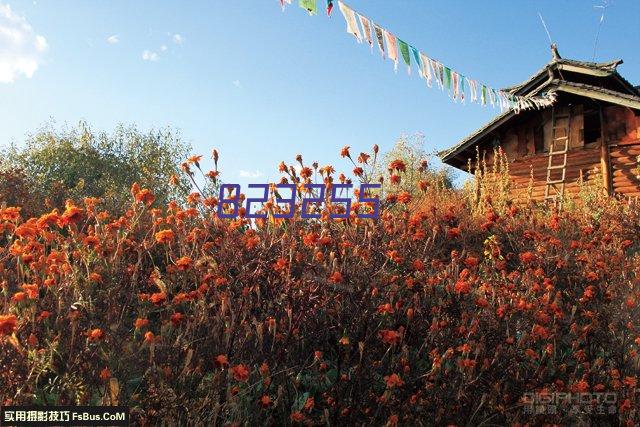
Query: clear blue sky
[[262, 85]]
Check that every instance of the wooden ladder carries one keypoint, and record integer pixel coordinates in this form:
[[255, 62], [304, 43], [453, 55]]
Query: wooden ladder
[[558, 148]]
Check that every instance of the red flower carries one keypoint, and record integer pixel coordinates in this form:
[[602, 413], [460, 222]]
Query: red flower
[[527, 257], [336, 277], [393, 380], [390, 336], [158, 298], [164, 236], [8, 324], [184, 263], [240, 372], [141, 323], [221, 360], [95, 334], [398, 165]]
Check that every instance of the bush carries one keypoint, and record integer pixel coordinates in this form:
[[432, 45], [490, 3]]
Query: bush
[[438, 315], [75, 163]]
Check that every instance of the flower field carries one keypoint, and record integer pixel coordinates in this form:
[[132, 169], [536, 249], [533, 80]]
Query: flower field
[[442, 311]]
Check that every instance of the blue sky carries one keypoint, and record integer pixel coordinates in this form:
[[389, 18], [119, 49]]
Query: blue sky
[[262, 85]]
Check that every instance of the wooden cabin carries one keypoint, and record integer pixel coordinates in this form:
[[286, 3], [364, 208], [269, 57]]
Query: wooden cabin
[[592, 133]]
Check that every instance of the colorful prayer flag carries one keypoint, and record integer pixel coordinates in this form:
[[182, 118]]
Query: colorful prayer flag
[[416, 58], [404, 50], [310, 6], [392, 48], [329, 7], [447, 77], [426, 68], [350, 18], [456, 84], [366, 29], [379, 38]]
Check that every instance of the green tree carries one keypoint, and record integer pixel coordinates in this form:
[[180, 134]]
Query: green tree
[[75, 163]]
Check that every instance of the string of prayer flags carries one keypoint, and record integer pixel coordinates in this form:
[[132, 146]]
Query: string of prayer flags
[[350, 18], [310, 6], [428, 68], [392, 48], [366, 29], [404, 50]]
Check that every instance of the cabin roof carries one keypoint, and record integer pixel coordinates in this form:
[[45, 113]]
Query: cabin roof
[[548, 79]]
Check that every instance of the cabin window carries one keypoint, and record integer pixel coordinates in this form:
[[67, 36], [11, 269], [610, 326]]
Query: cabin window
[[538, 139], [592, 126]]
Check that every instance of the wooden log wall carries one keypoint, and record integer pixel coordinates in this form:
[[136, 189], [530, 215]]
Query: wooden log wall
[[622, 131]]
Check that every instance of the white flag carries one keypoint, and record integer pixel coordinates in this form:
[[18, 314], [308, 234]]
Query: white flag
[[352, 23]]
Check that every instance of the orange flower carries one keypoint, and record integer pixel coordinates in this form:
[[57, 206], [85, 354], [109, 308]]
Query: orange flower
[[184, 263], [149, 337], [296, 417], [336, 277], [141, 323], [345, 151], [309, 404], [462, 287], [393, 380], [265, 401], [398, 165], [105, 374], [240, 372], [91, 241], [385, 309], [404, 197], [72, 213], [95, 277], [31, 290], [344, 341], [527, 257], [164, 236], [158, 298], [195, 160], [10, 214], [177, 318], [390, 336], [221, 360], [630, 382], [8, 324], [95, 334], [18, 296], [145, 196]]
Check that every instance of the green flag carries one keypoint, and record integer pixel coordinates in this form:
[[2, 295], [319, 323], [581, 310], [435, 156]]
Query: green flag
[[484, 95], [309, 5], [447, 77], [404, 49]]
